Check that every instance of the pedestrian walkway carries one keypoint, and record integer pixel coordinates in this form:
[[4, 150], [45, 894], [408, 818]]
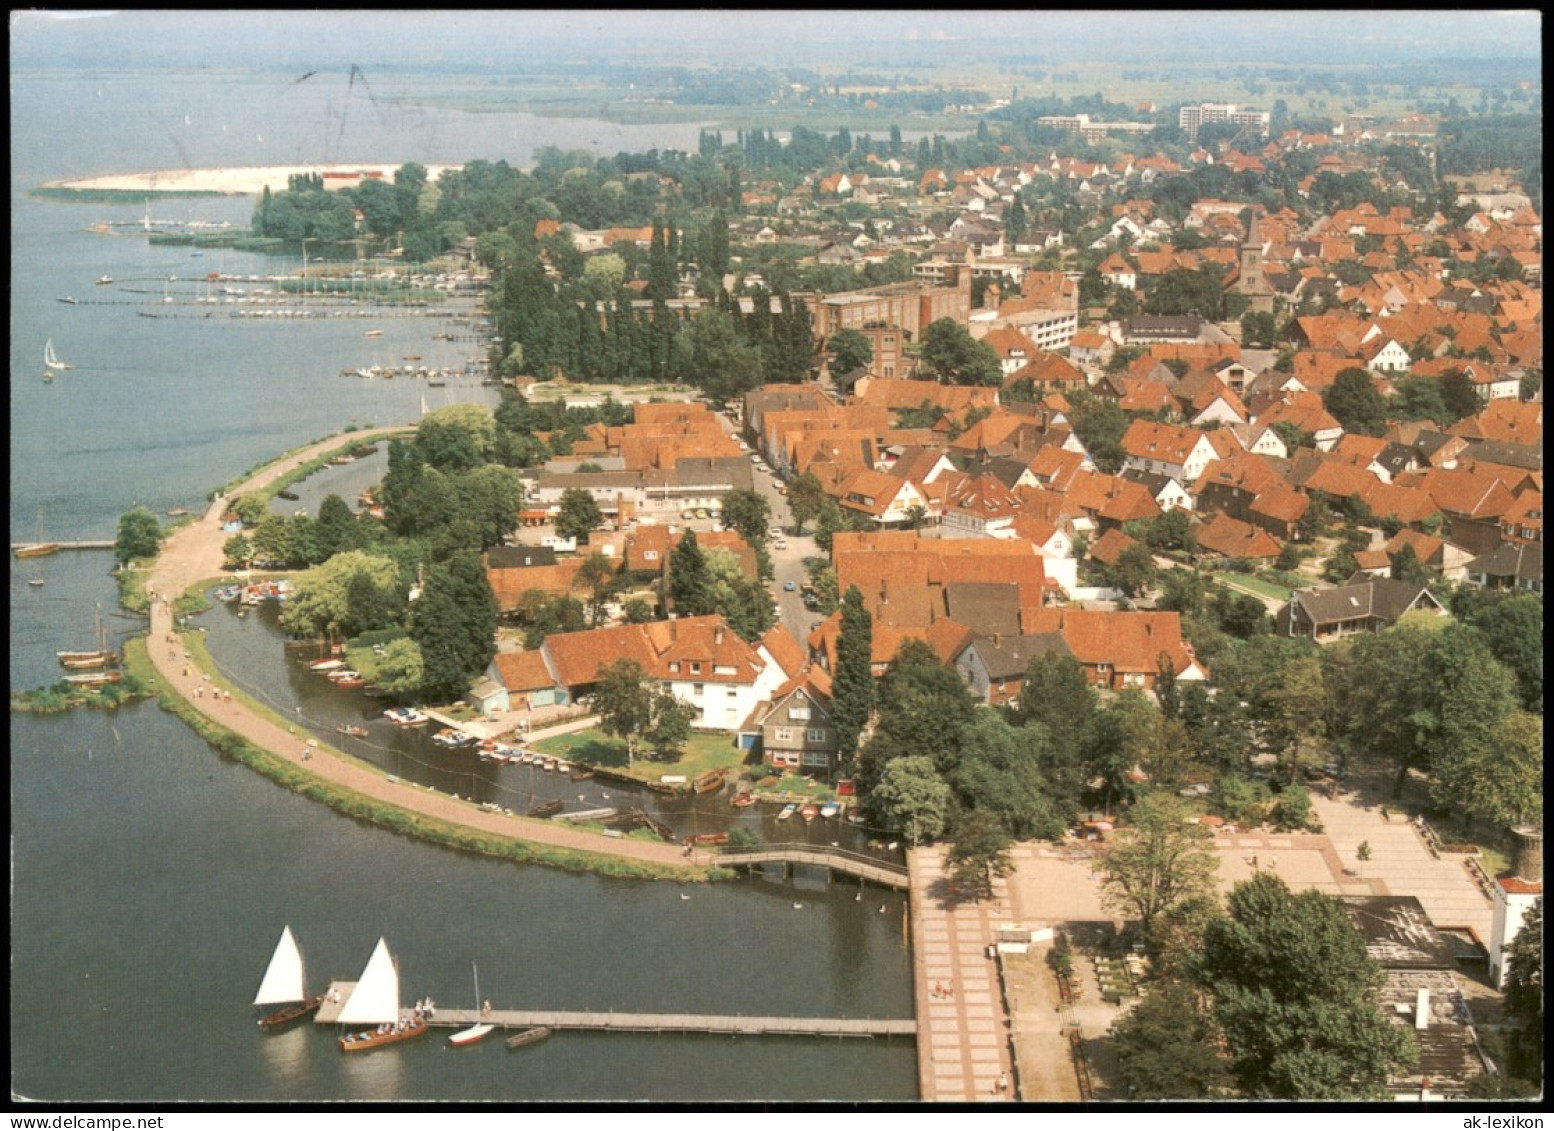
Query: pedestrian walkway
[[1400, 859], [962, 1026]]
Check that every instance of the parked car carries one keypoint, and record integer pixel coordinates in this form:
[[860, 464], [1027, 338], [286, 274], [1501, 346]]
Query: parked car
[[788, 586]]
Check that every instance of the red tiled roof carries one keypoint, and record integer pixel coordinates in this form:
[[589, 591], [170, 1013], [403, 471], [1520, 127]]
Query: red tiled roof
[[523, 671]]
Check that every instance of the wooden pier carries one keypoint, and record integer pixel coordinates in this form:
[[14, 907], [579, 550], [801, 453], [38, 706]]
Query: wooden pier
[[101, 544], [737, 1025]]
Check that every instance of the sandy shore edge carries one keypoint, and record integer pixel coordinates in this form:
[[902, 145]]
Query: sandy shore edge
[[239, 180]]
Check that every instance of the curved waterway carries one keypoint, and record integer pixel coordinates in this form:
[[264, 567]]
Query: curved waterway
[[151, 878]]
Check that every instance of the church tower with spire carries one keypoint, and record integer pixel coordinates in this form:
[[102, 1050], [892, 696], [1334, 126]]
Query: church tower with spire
[[1252, 283]]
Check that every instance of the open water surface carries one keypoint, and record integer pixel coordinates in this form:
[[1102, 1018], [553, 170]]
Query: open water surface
[[150, 878]]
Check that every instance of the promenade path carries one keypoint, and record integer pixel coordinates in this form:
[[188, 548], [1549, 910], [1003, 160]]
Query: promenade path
[[1400, 859], [963, 1035], [192, 554]]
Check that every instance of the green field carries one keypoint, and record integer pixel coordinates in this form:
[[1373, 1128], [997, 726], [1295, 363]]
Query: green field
[[702, 753], [1258, 585]]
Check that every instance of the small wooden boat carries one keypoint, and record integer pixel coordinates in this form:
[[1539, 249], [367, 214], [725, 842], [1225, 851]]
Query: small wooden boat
[[581, 773], [283, 982], [710, 782], [94, 679], [289, 496], [742, 800], [528, 1037], [809, 811], [787, 811], [563, 766], [473, 1035], [548, 809], [375, 1001], [353, 730], [708, 840], [81, 661], [350, 679], [385, 1034]]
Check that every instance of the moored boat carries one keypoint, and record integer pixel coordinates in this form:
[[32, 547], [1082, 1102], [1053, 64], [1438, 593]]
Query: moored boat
[[95, 679], [375, 1001], [708, 840], [787, 811], [283, 982], [353, 730], [473, 1035], [710, 782], [809, 811], [528, 1037], [326, 665], [742, 800], [406, 717], [548, 809], [830, 809]]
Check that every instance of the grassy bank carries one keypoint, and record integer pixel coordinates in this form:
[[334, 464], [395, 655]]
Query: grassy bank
[[60, 696], [392, 817]]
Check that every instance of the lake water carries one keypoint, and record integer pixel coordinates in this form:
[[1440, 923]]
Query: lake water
[[150, 877]]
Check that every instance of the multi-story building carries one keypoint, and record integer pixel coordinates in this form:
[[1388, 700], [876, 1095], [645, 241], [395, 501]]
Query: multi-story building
[[1191, 117]]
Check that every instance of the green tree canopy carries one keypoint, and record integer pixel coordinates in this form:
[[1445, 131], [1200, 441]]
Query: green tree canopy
[[951, 355], [805, 497], [912, 797], [848, 350], [1354, 402], [454, 622], [623, 698], [749, 513], [139, 536], [579, 515], [320, 604], [853, 680], [1296, 996], [456, 437], [1158, 861], [1167, 1046]]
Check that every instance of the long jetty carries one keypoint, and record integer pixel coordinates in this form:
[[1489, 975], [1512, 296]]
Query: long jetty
[[98, 544], [737, 1024]]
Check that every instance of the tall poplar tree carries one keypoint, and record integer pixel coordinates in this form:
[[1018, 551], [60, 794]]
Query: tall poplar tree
[[853, 680]]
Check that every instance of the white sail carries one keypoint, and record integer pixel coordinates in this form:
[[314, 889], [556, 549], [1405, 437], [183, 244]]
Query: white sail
[[283, 977], [375, 999], [49, 358]]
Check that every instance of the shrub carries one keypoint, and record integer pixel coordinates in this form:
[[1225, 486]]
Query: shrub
[[1293, 810]]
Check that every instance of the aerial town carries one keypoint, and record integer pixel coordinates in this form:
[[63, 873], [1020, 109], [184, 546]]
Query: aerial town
[[1113, 530]]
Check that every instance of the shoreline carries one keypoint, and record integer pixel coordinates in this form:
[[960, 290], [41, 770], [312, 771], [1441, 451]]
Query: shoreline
[[190, 558], [237, 180]]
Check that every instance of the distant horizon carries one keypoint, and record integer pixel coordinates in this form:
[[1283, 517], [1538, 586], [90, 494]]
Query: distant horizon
[[476, 39]]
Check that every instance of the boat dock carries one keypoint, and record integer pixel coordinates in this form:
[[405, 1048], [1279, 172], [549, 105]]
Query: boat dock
[[98, 544], [836, 861], [737, 1025]]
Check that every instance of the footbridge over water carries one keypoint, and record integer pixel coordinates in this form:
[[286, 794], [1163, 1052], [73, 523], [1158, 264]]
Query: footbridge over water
[[834, 860]]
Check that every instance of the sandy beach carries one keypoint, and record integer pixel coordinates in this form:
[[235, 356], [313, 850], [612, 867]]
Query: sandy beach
[[241, 180]]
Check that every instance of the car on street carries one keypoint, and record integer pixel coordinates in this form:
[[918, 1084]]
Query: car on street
[[782, 543], [788, 586]]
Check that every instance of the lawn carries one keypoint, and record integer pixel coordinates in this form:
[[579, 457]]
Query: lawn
[[1258, 585], [702, 753]]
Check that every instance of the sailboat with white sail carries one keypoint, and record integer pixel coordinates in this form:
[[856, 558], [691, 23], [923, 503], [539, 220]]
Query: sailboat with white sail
[[283, 985], [51, 359], [475, 1033], [375, 1001]]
